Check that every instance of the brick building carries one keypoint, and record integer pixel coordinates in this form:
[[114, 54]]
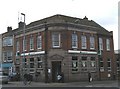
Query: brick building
[[117, 59], [7, 51], [64, 44]]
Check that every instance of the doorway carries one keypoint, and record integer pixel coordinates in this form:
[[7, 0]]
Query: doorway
[[56, 69]]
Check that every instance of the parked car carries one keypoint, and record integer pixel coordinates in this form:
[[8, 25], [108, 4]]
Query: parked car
[[14, 76], [3, 78]]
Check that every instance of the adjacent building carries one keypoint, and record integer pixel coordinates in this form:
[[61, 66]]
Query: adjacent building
[[63, 44], [7, 51], [117, 59]]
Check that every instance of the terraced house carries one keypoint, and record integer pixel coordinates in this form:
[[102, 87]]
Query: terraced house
[[63, 44]]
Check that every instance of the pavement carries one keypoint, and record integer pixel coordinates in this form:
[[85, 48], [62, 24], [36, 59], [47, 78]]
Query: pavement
[[113, 83]]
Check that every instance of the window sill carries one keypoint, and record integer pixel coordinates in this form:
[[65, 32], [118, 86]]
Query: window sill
[[56, 47], [31, 49], [39, 48]]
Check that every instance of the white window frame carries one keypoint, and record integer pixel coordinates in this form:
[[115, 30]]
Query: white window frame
[[108, 44], [54, 38], [100, 43], [7, 55], [92, 42], [74, 41], [39, 42], [24, 44], [31, 43], [17, 46], [84, 42], [75, 64], [8, 41]]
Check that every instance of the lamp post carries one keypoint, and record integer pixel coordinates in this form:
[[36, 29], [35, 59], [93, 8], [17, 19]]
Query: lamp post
[[46, 64], [24, 44], [99, 55]]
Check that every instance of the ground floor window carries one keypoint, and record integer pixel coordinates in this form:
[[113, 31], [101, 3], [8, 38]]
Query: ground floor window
[[93, 63], [84, 61], [109, 64], [17, 61], [31, 62], [39, 61], [74, 63]]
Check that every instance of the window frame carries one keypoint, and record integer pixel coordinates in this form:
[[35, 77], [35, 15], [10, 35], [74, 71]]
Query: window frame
[[92, 42], [31, 43], [74, 40], [32, 63], [109, 67], [57, 41], [39, 42], [100, 43], [75, 61], [7, 56], [83, 42], [24, 44], [108, 44], [8, 41]]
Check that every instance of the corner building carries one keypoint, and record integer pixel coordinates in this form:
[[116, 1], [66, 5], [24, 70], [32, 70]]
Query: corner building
[[63, 44]]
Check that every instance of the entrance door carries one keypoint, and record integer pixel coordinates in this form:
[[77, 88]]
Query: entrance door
[[56, 69]]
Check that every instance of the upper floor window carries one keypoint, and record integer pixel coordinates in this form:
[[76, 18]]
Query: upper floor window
[[74, 41], [100, 44], [7, 56], [108, 44], [39, 42], [17, 46], [92, 42], [8, 41], [84, 42], [56, 40], [31, 43], [24, 44]]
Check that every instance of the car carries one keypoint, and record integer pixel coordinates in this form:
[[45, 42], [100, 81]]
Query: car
[[3, 78], [14, 76]]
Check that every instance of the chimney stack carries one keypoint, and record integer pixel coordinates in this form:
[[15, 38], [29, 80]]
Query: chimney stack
[[9, 29], [21, 25]]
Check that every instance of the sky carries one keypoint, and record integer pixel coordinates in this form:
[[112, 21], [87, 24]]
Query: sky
[[104, 12]]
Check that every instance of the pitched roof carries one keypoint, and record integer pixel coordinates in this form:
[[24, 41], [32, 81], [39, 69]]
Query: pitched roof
[[62, 18]]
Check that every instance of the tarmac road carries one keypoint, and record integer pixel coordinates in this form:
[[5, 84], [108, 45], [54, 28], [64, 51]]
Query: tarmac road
[[71, 84]]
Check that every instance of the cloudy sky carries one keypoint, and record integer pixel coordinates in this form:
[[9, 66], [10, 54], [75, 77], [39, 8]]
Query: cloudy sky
[[104, 12]]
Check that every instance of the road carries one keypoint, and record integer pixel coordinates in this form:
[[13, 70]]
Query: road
[[71, 84]]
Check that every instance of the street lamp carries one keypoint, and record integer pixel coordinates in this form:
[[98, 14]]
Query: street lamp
[[46, 64], [24, 41], [99, 57]]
